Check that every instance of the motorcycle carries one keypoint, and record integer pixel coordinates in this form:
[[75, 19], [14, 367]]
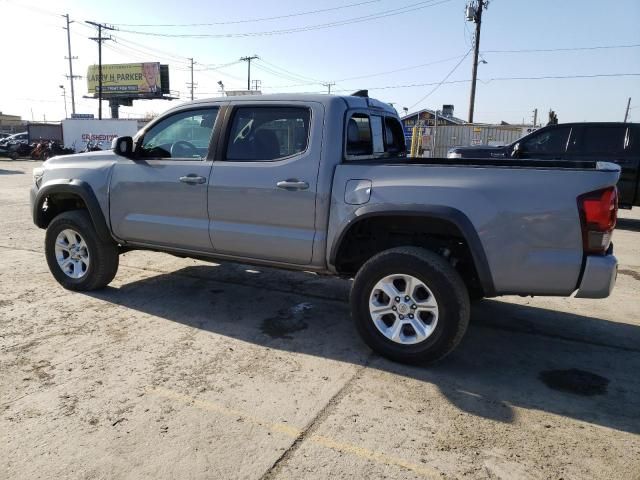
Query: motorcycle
[[54, 148], [39, 149]]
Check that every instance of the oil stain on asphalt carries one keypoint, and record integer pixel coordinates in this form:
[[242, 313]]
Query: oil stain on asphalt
[[578, 382], [287, 321]]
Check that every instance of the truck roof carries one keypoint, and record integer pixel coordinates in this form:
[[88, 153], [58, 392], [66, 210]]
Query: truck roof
[[350, 100]]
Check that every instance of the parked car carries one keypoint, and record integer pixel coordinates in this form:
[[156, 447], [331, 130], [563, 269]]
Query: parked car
[[321, 183], [609, 142], [22, 137]]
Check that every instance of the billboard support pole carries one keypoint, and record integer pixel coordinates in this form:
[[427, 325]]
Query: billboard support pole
[[100, 39], [115, 107]]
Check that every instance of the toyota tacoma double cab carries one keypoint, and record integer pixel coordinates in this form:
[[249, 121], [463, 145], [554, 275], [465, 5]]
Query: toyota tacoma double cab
[[322, 183]]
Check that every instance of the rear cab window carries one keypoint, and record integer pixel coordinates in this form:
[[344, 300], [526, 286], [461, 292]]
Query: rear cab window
[[373, 135], [603, 139]]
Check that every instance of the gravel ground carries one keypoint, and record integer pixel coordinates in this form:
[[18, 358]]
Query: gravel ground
[[187, 369]]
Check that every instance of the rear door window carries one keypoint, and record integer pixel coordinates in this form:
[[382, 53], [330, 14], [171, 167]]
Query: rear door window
[[260, 134], [603, 139]]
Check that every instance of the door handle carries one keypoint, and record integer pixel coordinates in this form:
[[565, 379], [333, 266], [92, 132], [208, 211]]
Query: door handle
[[292, 184], [192, 179]]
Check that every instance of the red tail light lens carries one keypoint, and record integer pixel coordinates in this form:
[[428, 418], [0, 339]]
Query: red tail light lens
[[598, 213]]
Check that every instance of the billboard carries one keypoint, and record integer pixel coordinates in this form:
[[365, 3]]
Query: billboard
[[142, 80]]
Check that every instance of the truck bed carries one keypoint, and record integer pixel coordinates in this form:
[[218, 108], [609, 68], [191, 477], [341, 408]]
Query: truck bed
[[524, 211]]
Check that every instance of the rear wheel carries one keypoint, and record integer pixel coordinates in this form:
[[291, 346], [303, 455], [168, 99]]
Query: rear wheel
[[410, 305], [77, 257]]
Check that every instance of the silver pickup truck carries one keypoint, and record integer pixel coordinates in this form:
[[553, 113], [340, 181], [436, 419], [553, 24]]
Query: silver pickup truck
[[322, 183]]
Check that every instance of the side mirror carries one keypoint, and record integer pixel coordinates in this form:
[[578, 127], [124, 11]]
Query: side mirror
[[517, 150], [123, 146]]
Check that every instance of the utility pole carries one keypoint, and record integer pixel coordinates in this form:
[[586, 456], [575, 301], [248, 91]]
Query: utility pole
[[191, 85], [474, 13], [535, 117], [71, 76], [626, 113], [257, 84], [248, 60], [329, 85], [100, 39]]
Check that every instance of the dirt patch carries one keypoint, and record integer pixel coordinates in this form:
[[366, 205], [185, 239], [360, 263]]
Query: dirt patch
[[631, 273]]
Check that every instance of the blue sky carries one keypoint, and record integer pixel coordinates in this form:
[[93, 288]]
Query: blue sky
[[429, 33]]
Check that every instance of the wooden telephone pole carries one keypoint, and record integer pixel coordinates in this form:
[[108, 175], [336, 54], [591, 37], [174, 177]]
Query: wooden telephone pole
[[100, 39], [474, 14], [248, 60]]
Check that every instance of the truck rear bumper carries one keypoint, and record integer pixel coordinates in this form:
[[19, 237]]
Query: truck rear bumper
[[599, 277]]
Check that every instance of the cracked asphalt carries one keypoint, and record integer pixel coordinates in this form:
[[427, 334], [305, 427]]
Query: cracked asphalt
[[188, 369]]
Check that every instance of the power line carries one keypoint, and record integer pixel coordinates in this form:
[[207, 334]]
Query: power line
[[250, 20], [567, 49], [402, 69], [283, 75], [387, 13], [443, 80], [489, 80], [156, 51], [497, 79], [287, 71]]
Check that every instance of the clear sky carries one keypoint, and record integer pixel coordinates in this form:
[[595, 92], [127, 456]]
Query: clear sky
[[431, 36]]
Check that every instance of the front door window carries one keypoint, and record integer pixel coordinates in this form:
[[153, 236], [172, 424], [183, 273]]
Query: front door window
[[185, 136]]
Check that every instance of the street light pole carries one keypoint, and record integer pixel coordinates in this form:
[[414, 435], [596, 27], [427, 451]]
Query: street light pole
[[64, 96]]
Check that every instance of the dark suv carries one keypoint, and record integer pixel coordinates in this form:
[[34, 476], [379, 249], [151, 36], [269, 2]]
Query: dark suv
[[609, 142]]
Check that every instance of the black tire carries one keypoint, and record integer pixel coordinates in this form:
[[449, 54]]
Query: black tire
[[440, 277], [104, 259]]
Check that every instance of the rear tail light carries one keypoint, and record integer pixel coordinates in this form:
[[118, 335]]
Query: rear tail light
[[598, 214]]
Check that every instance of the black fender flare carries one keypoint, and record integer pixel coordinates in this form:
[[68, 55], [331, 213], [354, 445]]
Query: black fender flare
[[72, 187], [450, 214]]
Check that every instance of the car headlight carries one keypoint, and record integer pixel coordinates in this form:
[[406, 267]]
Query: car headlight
[[38, 173], [454, 155]]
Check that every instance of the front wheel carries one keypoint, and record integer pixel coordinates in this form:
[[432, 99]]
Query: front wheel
[[410, 305], [77, 257]]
